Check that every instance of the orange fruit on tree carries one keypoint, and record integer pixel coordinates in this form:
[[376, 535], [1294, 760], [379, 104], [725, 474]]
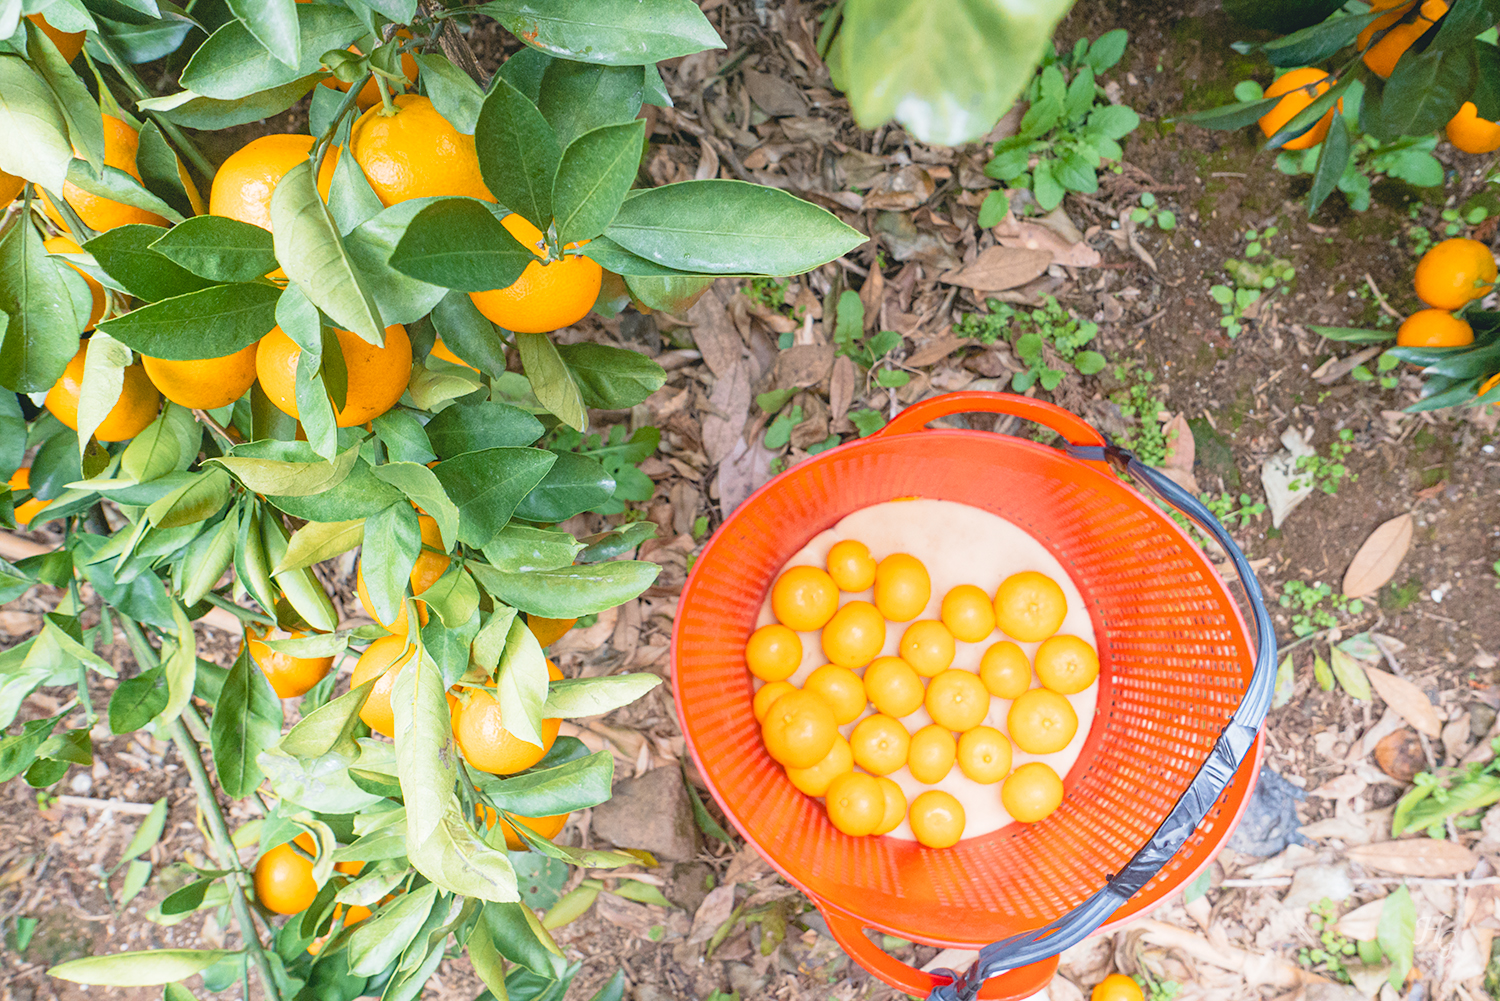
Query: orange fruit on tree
[[204, 383], [480, 732], [11, 187], [415, 153], [283, 879], [289, 676], [984, 754], [968, 613], [957, 700], [880, 744], [441, 350], [799, 729], [1032, 792], [549, 295], [1434, 328], [135, 409], [546, 631], [774, 652], [398, 627], [1387, 51], [855, 635], [1454, 273], [1117, 987], [851, 566], [1397, 8], [377, 375], [931, 753], [432, 562], [244, 184], [69, 43], [1296, 86], [369, 94], [902, 587], [1029, 606], [767, 695], [64, 245], [927, 646], [895, 806], [121, 141], [814, 781], [893, 686], [1488, 385], [383, 660], [26, 510], [1066, 664], [937, 819], [1472, 134], [855, 804], [841, 688], [804, 598], [1041, 721], [546, 827], [1005, 670]]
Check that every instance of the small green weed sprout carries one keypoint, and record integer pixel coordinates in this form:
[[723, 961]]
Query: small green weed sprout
[[1049, 341], [1147, 214], [1313, 606], [1326, 473]]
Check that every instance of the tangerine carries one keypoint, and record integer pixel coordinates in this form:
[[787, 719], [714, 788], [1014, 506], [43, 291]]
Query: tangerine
[[28, 509], [1455, 272], [895, 806], [64, 245], [284, 881], [289, 676], [927, 646], [377, 375], [902, 587], [957, 700], [851, 566], [841, 688], [774, 652], [1488, 385], [203, 383], [880, 744], [937, 819], [1030, 606], [1294, 85], [542, 827], [244, 184], [100, 214], [1472, 134], [549, 295], [804, 598], [441, 350], [480, 732], [11, 187], [1005, 670], [397, 627], [1117, 987], [893, 686], [855, 803], [855, 635], [799, 729], [68, 43], [1032, 792], [416, 153], [1383, 56], [1041, 721], [1066, 664], [968, 613], [984, 754], [135, 408], [931, 753], [814, 781], [1434, 328], [546, 631], [766, 695], [382, 659]]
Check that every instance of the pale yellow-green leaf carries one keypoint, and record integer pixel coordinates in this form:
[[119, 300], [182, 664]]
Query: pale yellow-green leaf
[[137, 969], [521, 686], [103, 381], [318, 541], [1351, 674]]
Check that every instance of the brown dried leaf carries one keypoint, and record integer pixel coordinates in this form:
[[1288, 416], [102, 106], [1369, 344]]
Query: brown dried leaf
[[731, 398], [714, 333], [777, 96], [1181, 450], [802, 365], [901, 190], [840, 387], [745, 471], [713, 912], [1416, 857], [936, 349], [999, 268], [1343, 787], [1409, 701], [1336, 368], [871, 295], [1034, 236], [1378, 558]]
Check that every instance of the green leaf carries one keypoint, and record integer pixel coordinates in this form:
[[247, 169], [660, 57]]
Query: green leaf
[[729, 227], [613, 257], [945, 71], [359, 495], [675, 293], [488, 484], [117, 185], [274, 24], [219, 248], [36, 146], [458, 243], [568, 592], [1115, 121], [330, 728], [137, 969], [518, 154], [1396, 933], [441, 844], [1426, 90], [1350, 674], [247, 720], [378, 942], [103, 380], [612, 32], [596, 696], [137, 700], [214, 322], [317, 541], [1286, 682], [299, 474], [524, 71], [454, 93], [78, 107], [392, 542], [197, 500], [578, 97], [125, 255], [596, 171], [146, 835], [469, 335], [189, 898], [399, 297], [351, 200], [18, 751], [522, 547], [313, 255], [233, 64], [1107, 50], [1232, 116], [1332, 160], [551, 380], [574, 484], [196, 111], [1321, 673], [471, 427], [421, 487], [1049, 193], [546, 792], [1075, 173], [1280, 16], [1317, 42], [41, 335], [993, 209], [611, 378]]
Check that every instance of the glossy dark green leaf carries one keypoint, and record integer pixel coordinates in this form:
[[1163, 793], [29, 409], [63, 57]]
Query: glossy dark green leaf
[[1486, 95], [513, 938], [358, 495], [161, 170], [145, 43], [233, 64], [613, 32], [188, 898], [404, 437], [473, 427], [274, 24], [219, 248], [400, 298], [1332, 159], [392, 542], [730, 227], [458, 243], [1229, 117], [613, 257], [247, 720], [18, 751], [518, 154], [470, 336], [550, 379], [612, 378], [675, 294], [1353, 334], [1464, 20], [1280, 16], [574, 484], [522, 547], [209, 324], [578, 97], [488, 484], [524, 71], [125, 254], [41, 332], [596, 171], [1427, 89], [616, 542], [119, 186], [351, 200], [568, 592], [1309, 116], [546, 792], [1317, 42]]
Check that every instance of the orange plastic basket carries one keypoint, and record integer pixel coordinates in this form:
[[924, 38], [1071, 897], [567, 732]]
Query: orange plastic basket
[[1167, 765]]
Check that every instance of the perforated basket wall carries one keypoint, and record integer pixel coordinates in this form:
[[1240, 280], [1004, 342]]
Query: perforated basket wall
[[1174, 657]]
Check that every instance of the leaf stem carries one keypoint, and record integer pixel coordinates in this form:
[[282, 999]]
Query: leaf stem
[[326, 139], [223, 846], [238, 610], [228, 435], [133, 83]]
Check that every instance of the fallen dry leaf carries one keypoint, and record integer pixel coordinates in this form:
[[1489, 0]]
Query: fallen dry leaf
[[937, 349], [714, 333], [1378, 558], [802, 365], [901, 190], [999, 268], [840, 388], [1361, 924], [1180, 454], [1336, 368], [1033, 236], [1416, 857], [776, 95], [712, 913], [744, 471], [1343, 787], [1257, 968], [731, 398], [1409, 701]]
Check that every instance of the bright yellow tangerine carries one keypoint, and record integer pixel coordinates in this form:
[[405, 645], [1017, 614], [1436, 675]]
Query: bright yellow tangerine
[[774, 652], [1005, 670], [893, 686], [1032, 792], [814, 781], [1066, 664], [957, 700], [931, 754], [984, 754], [799, 729], [805, 598], [968, 613], [854, 636], [879, 744], [767, 695], [856, 804], [902, 587], [1029, 606], [1041, 721], [927, 645], [841, 689], [937, 819], [851, 566]]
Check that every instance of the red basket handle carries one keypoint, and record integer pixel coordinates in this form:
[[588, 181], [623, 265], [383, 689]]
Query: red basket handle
[[1022, 982], [916, 417]]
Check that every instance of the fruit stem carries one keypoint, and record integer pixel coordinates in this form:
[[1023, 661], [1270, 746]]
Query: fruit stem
[[223, 847], [229, 436], [179, 138], [388, 107]]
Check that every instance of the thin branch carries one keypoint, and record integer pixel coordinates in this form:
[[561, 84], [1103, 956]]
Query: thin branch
[[454, 45], [1385, 306], [229, 435]]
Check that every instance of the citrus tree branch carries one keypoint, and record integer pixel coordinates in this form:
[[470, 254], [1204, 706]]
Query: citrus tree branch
[[452, 41]]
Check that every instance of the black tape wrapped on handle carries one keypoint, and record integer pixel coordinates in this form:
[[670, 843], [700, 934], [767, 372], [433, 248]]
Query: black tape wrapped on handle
[[1215, 775]]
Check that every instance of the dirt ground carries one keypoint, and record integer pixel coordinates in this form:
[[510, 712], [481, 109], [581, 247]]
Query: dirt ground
[[764, 109]]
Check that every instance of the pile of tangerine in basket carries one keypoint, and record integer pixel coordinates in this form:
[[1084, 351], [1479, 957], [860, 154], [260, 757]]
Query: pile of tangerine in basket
[[801, 726]]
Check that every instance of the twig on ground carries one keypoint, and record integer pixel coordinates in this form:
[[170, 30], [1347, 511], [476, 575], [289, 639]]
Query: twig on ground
[[1380, 300]]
